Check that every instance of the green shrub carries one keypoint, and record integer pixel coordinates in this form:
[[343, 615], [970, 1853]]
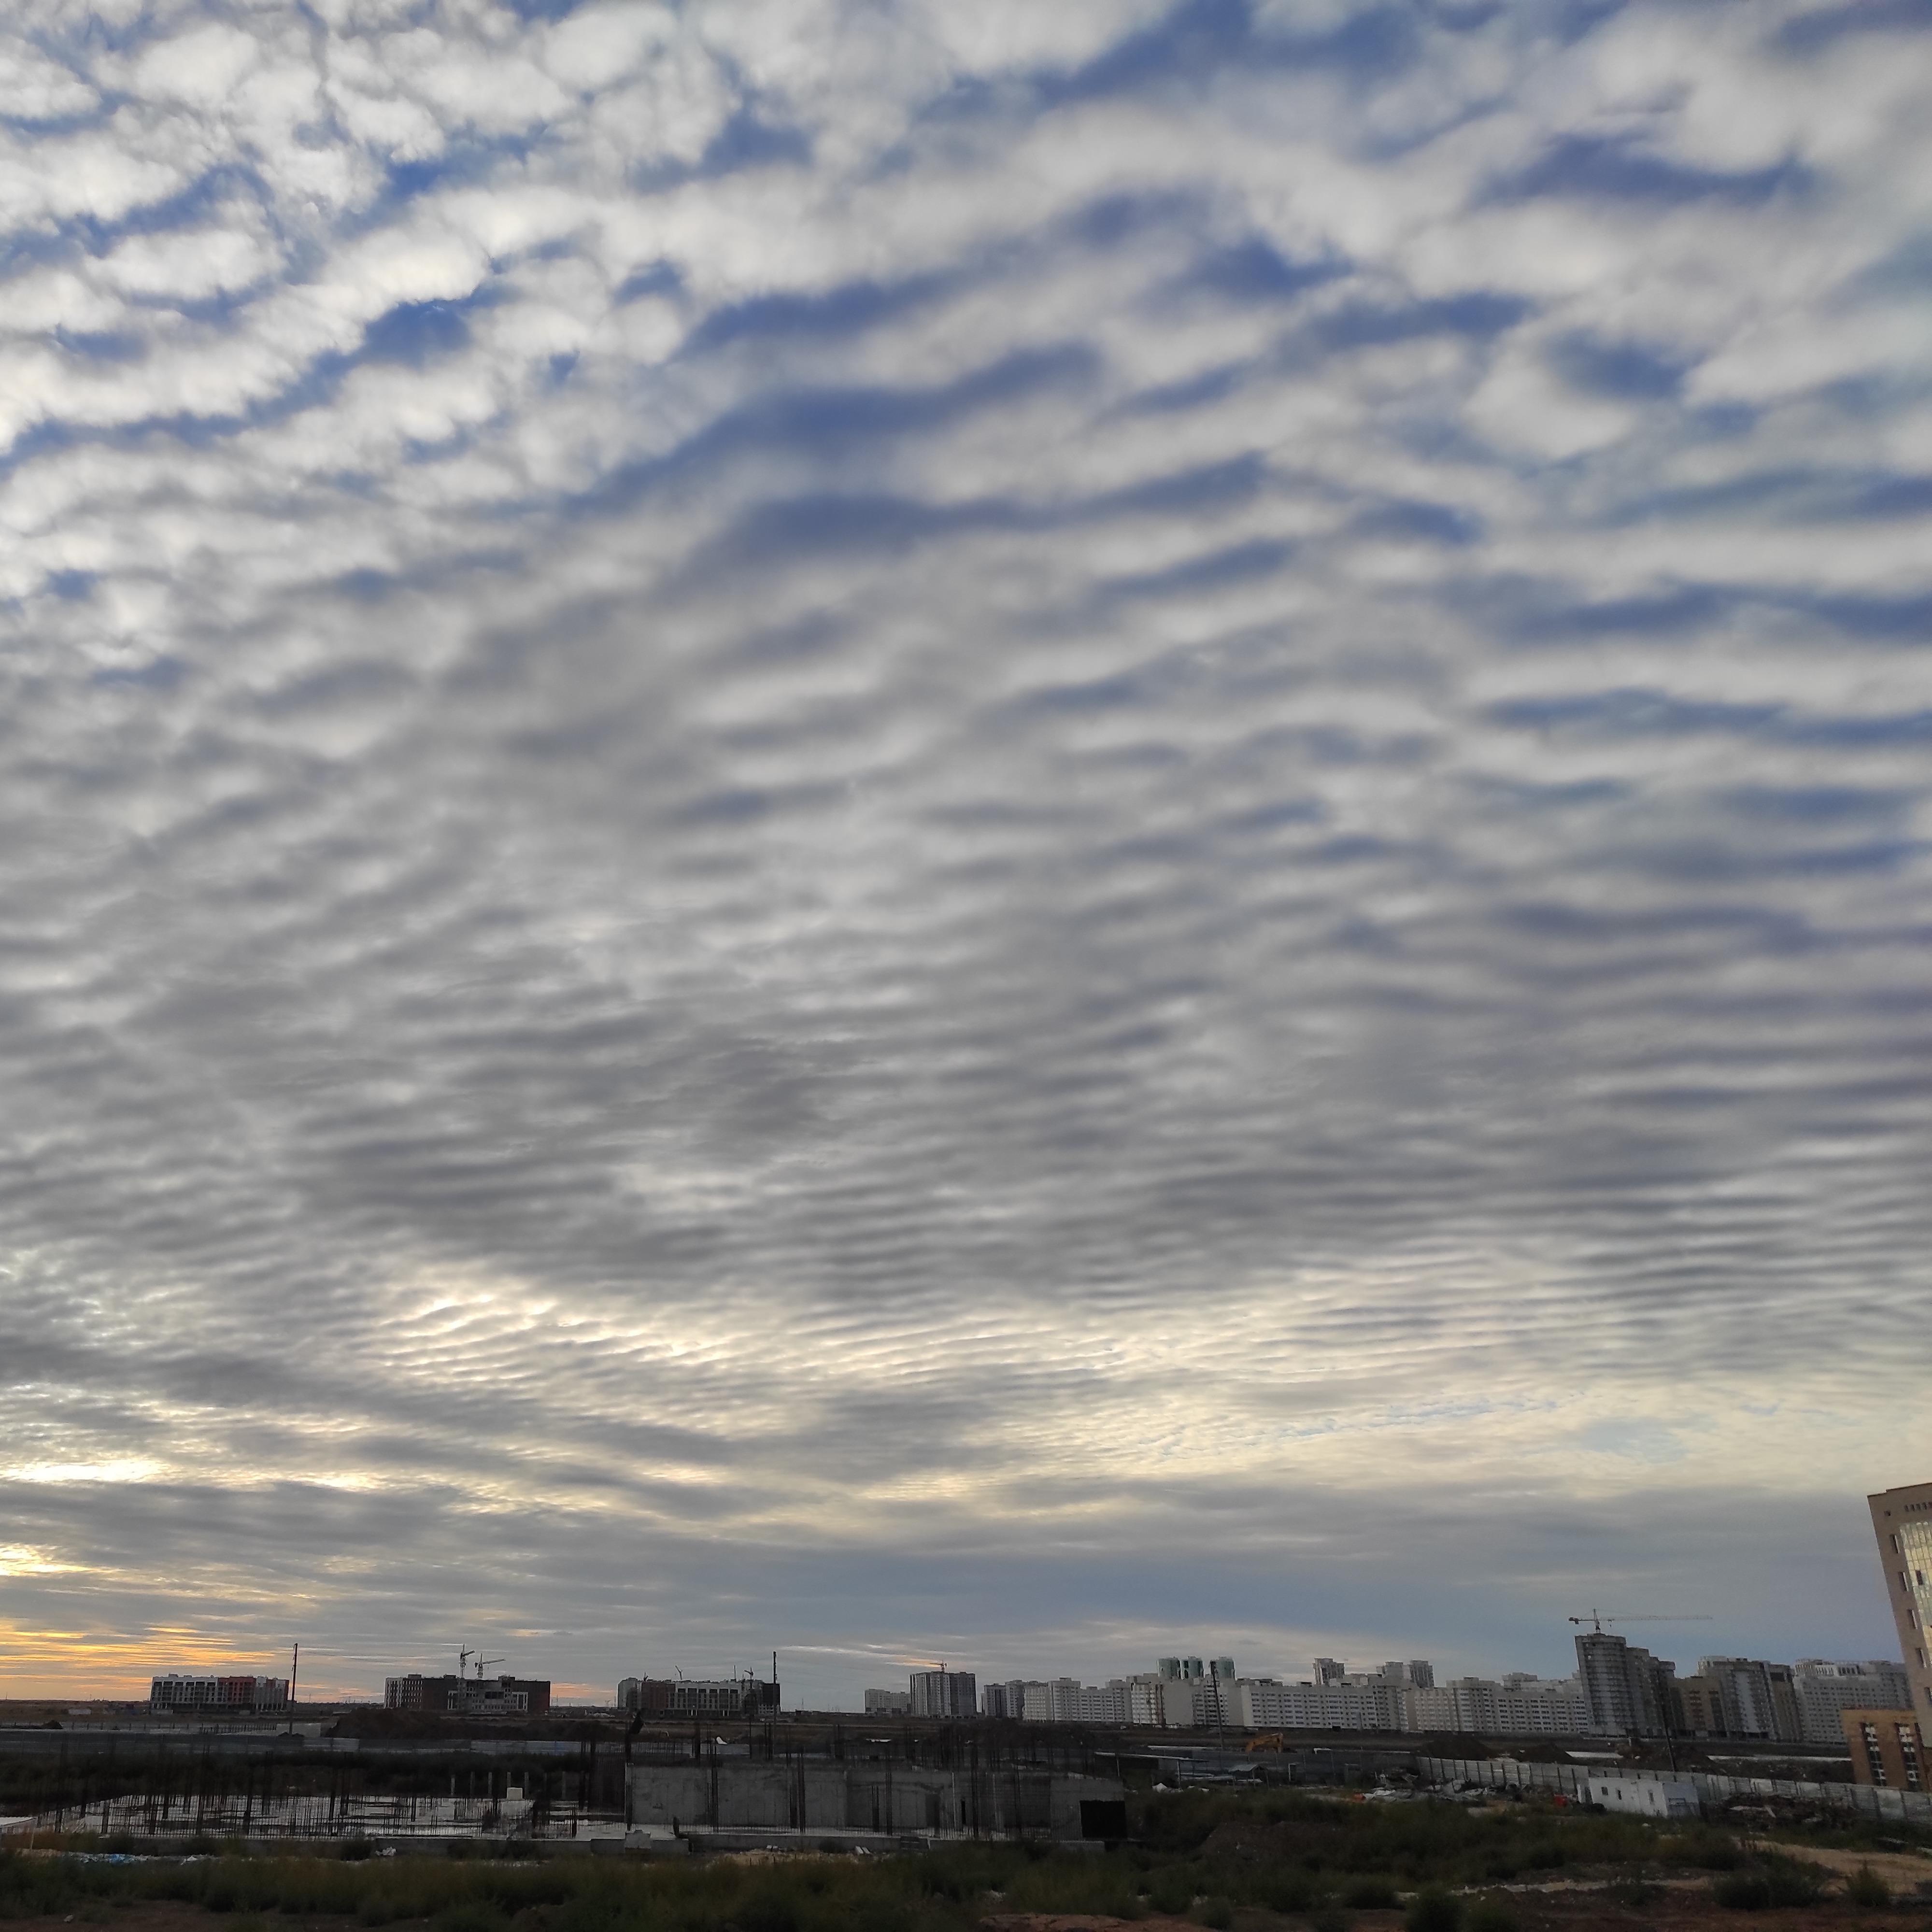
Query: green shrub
[[1217, 1913], [1370, 1894], [1283, 1888], [880, 1914], [1330, 1918], [1746, 1890], [1173, 1889], [769, 1908], [1435, 1910], [1865, 1887], [469, 1914], [1490, 1915], [1771, 1880]]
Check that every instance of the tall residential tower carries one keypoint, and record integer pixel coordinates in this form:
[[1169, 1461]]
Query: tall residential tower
[[1902, 1520]]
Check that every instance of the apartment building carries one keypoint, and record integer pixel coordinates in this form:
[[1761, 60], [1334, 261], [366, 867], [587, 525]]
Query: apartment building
[[1902, 1522], [1887, 1746], [944, 1693], [176, 1692], [1824, 1688]]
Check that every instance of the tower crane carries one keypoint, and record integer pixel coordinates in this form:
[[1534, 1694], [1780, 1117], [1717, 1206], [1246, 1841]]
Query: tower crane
[[1597, 1620]]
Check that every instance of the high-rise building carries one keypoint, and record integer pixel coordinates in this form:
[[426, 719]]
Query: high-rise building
[[1627, 1691], [1824, 1689], [1902, 1521], [1755, 1699], [944, 1693]]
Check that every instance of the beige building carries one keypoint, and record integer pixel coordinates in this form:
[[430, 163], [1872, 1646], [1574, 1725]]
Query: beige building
[[1700, 1707], [1902, 1521], [1887, 1747]]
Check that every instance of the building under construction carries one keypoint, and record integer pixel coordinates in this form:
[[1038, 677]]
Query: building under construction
[[458, 1696], [726, 1698]]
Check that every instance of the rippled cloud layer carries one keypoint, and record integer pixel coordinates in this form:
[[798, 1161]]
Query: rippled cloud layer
[[1012, 830]]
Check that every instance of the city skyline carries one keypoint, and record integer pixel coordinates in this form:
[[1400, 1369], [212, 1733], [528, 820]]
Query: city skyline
[[969, 830]]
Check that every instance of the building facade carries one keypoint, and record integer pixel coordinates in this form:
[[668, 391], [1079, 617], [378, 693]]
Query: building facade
[[175, 1692], [1888, 1748], [1522, 1705], [723, 1697], [944, 1693], [1824, 1688], [1754, 1699], [1262, 1704], [1627, 1691], [892, 1703], [453, 1695], [1902, 1522]]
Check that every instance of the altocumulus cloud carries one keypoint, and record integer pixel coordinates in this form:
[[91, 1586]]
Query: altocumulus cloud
[[902, 827]]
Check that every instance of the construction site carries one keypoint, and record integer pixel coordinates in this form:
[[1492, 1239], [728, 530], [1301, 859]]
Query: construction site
[[610, 1781]]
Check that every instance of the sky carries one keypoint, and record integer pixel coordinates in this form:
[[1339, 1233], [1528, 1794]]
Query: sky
[[1020, 835]]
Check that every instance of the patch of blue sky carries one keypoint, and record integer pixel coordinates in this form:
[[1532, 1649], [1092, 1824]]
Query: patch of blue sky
[[1252, 558], [1368, 324], [1611, 168], [199, 205], [748, 141], [1628, 371], [840, 313], [825, 420], [1809, 34], [1200, 40]]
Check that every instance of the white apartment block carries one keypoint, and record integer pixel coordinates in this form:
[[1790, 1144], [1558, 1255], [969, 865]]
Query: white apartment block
[[1823, 1689], [1520, 1705], [1263, 1704]]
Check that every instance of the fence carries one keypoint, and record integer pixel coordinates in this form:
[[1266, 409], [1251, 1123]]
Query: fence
[[322, 1815], [1712, 1787]]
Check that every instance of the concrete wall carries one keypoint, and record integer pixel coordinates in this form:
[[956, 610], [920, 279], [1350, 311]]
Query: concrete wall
[[807, 1795], [1911, 1806]]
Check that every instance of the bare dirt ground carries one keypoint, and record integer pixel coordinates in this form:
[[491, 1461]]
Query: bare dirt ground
[[1904, 1871]]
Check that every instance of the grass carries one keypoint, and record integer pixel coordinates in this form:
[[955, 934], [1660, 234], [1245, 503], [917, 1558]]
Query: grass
[[1770, 1879], [1208, 1855]]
